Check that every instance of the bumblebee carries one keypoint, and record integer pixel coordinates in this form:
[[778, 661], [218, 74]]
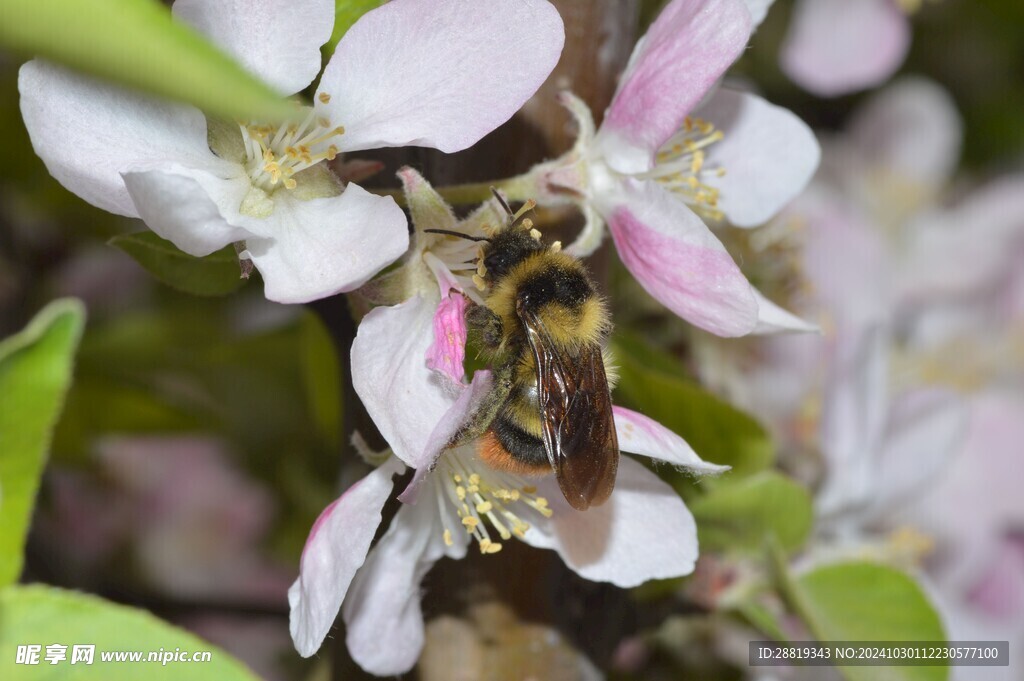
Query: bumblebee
[[544, 326]]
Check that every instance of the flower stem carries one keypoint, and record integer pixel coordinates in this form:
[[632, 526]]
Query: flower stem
[[518, 188]]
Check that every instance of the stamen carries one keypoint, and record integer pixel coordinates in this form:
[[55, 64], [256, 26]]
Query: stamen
[[487, 500], [682, 166], [276, 154]]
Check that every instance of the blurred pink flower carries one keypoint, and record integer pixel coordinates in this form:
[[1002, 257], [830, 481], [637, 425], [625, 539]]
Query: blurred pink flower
[[389, 83], [196, 522], [835, 47], [675, 149], [644, 531]]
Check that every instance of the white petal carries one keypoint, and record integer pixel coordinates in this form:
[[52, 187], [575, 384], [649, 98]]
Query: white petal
[[926, 428], [911, 131], [319, 247], [277, 40], [852, 424], [382, 611], [969, 250], [677, 259], [187, 206], [839, 46], [772, 319], [439, 73], [644, 531], [768, 154], [758, 9], [470, 399], [405, 399], [642, 435], [336, 547], [840, 245], [88, 132]]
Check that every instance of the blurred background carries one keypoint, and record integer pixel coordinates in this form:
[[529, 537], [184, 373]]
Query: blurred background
[[202, 436]]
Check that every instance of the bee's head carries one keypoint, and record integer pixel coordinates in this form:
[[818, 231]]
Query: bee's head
[[513, 244], [509, 247]]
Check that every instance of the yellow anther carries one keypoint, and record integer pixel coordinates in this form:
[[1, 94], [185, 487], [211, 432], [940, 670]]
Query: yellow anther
[[290, 184], [324, 97], [474, 479], [473, 489], [332, 152], [470, 522], [535, 234], [460, 491], [447, 534], [457, 478], [484, 507], [488, 546], [556, 247]]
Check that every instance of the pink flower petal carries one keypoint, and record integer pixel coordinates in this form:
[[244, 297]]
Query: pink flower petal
[[644, 531], [677, 259], [838, 46], [448, 351], [277, 40], [639, 434], [439, 73], [685, 51], [336, 547]]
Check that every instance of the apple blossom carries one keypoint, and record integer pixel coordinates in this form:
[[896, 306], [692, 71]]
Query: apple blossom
[[834, 47], [206, 184], [675, 149], [644, 531]]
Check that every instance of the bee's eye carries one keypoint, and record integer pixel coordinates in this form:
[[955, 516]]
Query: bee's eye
[[496, 262]]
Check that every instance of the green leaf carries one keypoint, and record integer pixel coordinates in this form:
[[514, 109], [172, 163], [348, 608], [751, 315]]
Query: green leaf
[[215, 275], [346, 13], [137, 44], [652, 383], [322, 375], [35, 371], [861, 601], [43, 616], [740, 515]]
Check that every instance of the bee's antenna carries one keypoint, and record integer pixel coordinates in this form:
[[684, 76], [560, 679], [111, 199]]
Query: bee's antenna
[[460, 235], [501, 200]]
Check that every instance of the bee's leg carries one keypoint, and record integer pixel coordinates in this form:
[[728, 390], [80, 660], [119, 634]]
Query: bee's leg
[[486, 324]]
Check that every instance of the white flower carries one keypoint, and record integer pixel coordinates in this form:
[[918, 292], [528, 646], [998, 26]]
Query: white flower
[[644, 531], [391, 82]]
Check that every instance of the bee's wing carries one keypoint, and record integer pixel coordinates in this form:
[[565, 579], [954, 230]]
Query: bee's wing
[[576, 415]]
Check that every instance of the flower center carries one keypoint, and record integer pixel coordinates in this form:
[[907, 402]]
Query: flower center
[[487, 500], [682, 170], [274, 155]]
